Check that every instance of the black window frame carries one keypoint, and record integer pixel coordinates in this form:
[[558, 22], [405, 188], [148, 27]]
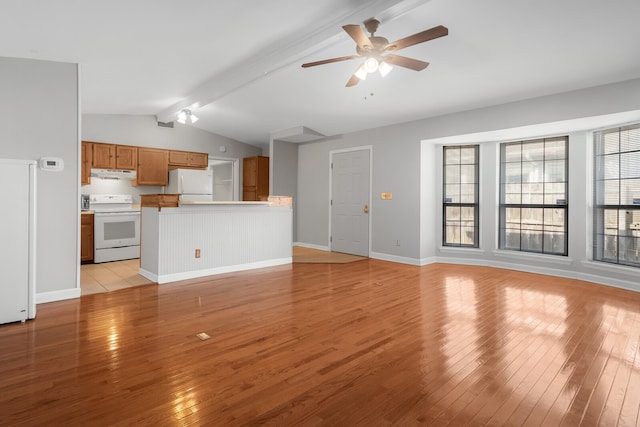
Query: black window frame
[[601, 206], [447, 202], [546, 207]]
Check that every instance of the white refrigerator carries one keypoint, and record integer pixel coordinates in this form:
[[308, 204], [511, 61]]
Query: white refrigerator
[[17, 240], [191, 184]]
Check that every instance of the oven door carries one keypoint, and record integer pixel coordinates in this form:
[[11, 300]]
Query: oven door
[[116, 229]]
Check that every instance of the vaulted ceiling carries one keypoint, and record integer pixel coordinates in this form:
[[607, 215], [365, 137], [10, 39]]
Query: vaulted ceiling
[[236, 64]]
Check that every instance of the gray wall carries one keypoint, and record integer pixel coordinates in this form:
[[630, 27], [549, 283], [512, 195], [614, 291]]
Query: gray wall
[[39, 110], [143, 131], [284, 159], [402, 164]]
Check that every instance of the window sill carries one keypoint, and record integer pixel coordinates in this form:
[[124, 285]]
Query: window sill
[[552, 259], [460, 250]]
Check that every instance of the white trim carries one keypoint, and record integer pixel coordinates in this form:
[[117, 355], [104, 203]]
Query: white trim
[[395, 258], [551, 259], [462, 261], [312, 246], [167, 278], [60, 295], [611, 268], [347, 150], [461, 250]]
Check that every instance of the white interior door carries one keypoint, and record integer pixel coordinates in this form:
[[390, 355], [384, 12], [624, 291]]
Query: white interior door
[[350, 182]]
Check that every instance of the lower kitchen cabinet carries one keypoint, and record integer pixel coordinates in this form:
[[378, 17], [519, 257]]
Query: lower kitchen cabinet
[[86, 237]]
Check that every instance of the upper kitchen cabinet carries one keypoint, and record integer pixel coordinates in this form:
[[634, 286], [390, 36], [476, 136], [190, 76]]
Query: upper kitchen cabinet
[[104, 156], [153, 167], [111, 156], [187, 159], [87, 154], [255, 178], [126, 157]]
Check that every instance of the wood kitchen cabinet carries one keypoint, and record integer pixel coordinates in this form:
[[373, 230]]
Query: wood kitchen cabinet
[[255, 178], [112, 156], [87, 156], [86, 237], [103, 156], [126, 157], [153, 167], [188, 159]]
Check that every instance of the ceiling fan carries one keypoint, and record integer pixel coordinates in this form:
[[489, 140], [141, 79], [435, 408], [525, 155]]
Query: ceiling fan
[[375, 50]]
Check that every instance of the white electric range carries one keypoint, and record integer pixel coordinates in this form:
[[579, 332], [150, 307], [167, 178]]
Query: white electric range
[[116, 229]]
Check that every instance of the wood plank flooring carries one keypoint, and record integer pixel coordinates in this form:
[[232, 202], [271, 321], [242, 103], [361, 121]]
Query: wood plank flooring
[[368, 343]]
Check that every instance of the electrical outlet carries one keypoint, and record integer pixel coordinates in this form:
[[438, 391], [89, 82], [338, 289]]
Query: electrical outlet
[[197, 253]]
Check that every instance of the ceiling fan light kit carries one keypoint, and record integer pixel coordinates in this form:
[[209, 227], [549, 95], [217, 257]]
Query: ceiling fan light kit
[[375, 50]]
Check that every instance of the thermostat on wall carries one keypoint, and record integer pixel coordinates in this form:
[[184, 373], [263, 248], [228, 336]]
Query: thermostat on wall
[[52, 164]]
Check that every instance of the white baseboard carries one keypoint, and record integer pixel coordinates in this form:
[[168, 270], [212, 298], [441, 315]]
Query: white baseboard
[[167, 278], [395, 258], [312, 246], [60, 295]]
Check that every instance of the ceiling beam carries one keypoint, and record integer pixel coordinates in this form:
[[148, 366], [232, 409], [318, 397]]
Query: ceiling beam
[[283, 54]]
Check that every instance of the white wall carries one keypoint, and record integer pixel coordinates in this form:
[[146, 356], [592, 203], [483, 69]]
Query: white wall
[[39, 110], [402, 164]]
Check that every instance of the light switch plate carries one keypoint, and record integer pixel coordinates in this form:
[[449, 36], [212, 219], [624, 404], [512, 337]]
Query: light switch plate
[[386, 196]]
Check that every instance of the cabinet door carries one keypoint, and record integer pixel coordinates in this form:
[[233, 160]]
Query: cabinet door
[[249, 171], [199, 160], [126, 157], [179, 158], [104, 156], [153, 167], [262, 180], [86, 237], [87, 155]]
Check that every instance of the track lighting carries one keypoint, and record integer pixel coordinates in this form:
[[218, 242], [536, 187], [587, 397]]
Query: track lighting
[[185, 116]]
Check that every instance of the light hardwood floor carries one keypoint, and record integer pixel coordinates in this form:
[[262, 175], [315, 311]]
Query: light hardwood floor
[[368, 343]]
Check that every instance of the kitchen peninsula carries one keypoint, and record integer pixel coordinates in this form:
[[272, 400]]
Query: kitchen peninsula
[[186, 239]]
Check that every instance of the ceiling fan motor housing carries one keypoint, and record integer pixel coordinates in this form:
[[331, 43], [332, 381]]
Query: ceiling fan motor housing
[[378, 48]]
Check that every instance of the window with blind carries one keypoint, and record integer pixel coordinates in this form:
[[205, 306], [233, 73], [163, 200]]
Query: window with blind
[[617, 196], [533, 195], [460, 196]]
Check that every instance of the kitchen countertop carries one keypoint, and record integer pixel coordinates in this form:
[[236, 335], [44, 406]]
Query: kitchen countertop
[[86, 212], [208, 202]]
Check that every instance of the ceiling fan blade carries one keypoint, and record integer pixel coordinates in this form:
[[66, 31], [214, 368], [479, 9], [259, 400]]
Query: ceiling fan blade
[[403, 61], [359, 36], [329, 61], [354, 80], [420, 37]]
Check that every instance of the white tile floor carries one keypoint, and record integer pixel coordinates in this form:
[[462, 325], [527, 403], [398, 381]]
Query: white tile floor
[[110, 276]]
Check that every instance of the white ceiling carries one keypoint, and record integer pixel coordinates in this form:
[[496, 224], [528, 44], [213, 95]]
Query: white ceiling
[[237, 63]]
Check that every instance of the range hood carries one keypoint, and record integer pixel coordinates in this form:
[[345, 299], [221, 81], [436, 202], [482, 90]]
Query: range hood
[[113, 174]]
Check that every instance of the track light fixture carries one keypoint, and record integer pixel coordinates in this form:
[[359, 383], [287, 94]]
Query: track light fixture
[[186, 116]]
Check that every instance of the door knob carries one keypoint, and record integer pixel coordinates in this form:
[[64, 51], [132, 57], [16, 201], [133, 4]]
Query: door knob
[[366, 208]]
